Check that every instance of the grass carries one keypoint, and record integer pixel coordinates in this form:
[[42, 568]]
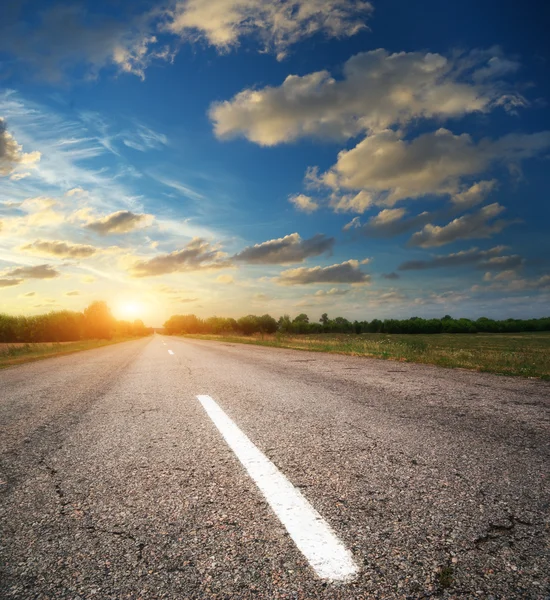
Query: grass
[[446, 577], [519, 354], [16, 354]]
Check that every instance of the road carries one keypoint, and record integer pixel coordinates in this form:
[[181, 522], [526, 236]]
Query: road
[[119, 480]]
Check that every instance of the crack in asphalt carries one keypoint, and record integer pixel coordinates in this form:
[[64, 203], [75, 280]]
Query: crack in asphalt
[[133, 412], [57, 485], [496, 531], [63, 503]]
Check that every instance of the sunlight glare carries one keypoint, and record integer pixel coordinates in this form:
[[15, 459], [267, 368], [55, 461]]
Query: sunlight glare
[[129, 310]]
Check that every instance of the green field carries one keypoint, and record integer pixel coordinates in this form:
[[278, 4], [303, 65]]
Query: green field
[[16, 354], [522, 354]]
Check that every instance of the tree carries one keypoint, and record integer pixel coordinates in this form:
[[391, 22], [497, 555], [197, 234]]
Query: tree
[[249, 324], [267, 324], [183, 324], [98, 321], [285, 324]]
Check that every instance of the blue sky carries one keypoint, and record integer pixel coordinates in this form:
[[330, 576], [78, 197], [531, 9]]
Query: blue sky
[[234, 156]]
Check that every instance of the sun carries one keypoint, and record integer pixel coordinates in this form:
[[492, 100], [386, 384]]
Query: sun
[[129, 310]]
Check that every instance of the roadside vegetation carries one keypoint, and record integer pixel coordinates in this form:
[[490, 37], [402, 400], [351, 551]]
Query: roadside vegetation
[[266, 324], [510, 347], [24, 339]]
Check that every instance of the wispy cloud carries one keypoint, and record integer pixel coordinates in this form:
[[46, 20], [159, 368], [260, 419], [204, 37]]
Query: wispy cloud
[[71, 150], [181, 188], [74, 39], [483, 259], [277, 25], [143, 139], [515, 284]]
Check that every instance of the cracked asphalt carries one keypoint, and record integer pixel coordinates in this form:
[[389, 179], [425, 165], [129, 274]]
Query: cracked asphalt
[[115, 484]]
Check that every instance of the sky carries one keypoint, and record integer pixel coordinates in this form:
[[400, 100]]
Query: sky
[[225, 157]]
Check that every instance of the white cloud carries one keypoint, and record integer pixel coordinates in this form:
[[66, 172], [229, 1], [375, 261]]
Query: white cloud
[[392, 296], [19, 176], [41, 211], [77, 191], [450, 297], [378, 90], [331, 292], [32, 272], [503, 262], [346, 272], [225, 279], [357, 203], [511, 284], [10, 282], [506, 275], [392, 221], [480, 224], [60, 249], [388, 215], [288, 249], [496, 66], [474, 195], [277, 25], [303, 203], [12, 155], [122, 221], [379, 95], [69, 40], [197, 255], [353, 224], [392, 168]]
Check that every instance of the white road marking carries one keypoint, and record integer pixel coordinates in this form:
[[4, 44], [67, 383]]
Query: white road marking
[[312, 535], [170, 352]]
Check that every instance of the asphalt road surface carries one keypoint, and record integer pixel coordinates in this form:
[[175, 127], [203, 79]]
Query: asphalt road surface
[[177, 468]]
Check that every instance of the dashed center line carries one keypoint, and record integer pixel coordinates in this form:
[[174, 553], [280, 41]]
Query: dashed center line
[[170, 352], [313, 536]]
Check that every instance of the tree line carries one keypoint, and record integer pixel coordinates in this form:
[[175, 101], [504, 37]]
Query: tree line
[[301, 324], [95, 322]]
